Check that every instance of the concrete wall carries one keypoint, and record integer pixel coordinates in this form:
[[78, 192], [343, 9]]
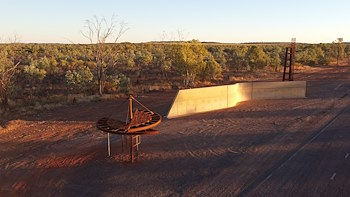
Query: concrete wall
[[191, 101], [198, 100], [279, 90]]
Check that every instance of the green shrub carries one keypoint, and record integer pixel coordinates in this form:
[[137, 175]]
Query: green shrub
[[80, 80]]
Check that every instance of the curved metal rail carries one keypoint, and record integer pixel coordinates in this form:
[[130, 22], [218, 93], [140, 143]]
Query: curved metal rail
[[118, 127]]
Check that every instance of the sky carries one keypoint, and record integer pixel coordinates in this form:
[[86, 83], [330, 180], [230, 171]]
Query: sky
[[229, 21]]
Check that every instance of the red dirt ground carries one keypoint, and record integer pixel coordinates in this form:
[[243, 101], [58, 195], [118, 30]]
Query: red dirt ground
[[222, 153]]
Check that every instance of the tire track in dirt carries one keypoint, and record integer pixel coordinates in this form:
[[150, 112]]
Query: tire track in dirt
[[208, 132], [32, 149]]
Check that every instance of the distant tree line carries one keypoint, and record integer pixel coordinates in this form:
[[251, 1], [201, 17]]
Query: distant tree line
[[31, 71]]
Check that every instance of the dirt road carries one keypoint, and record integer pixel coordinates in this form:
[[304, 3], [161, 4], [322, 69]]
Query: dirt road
[[222, 153], [321, 167]]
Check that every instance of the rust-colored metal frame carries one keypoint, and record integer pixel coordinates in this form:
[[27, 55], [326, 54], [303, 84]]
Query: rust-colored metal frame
[[289, 58], [134, 132]]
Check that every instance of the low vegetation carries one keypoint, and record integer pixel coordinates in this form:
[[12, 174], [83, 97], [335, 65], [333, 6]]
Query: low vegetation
[[31, 73]]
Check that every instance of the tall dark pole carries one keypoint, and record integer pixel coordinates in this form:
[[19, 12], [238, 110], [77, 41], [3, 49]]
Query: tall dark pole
[[292, 59], [285, 64]]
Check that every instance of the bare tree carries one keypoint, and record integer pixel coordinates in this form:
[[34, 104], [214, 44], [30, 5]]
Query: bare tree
[[6, 74], [14, 39], [180, 35], [8, 68], [99, 31]]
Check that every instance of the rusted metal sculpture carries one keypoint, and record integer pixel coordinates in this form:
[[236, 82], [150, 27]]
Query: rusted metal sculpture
[[289, 61], [139, 122]]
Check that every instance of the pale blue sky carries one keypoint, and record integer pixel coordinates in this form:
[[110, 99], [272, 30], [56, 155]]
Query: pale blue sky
[[230, 21]]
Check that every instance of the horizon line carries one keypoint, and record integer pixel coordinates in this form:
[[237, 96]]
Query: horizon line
[[163, 42]]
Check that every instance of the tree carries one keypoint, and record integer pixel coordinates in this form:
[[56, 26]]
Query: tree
[[192, 59], [218, 54], [8, 68], [161, 60], [99, 31], [79, 80], [308, 56], [210, 70], [330, 53], [142, 57], [273, 56], [256, 58], [187, 58], [340, 49], [237, 56], [347, 51]]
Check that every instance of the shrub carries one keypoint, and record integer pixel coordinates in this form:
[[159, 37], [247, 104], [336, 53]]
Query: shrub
[[210, 70], [124, 84], [80, 80]]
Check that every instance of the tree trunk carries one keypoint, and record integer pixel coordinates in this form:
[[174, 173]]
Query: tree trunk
[[100, 79], [100, 87], [4, 98], [338, 56], [186, 79]]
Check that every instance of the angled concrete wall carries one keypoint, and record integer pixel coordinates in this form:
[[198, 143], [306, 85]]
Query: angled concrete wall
[[197, 100], [191, 101]]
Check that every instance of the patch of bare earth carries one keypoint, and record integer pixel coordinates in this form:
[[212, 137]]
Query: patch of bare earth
[[219, 153]]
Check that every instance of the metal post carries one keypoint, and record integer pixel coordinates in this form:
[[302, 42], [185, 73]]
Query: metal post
[[109, 145], [285, 65], [122, 138], [290, 64], [138, 142], [131, 149], [130, 107], [293, 56]]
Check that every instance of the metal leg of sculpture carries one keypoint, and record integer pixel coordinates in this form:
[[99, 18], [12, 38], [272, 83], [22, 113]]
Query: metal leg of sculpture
[[138, 142], [122, 138], [131, 149], [108, 145]]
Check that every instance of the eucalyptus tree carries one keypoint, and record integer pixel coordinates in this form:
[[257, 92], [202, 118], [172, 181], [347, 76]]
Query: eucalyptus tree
[[256, 58], [100, 32], [192, 60]]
